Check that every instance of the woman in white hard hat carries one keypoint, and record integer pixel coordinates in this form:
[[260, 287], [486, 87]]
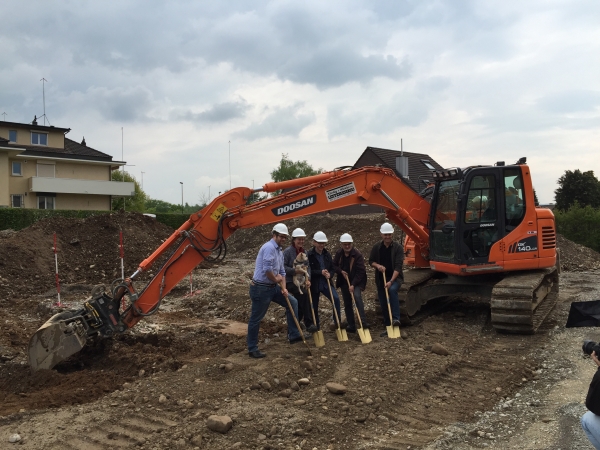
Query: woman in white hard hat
[[269, 275], [387, 257], [349, 262], [290, 255], [321, 271]]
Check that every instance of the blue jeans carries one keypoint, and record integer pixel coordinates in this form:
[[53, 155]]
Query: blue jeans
[[321, 288], [394, 302], [262, 296], [590, 423], [349, 308]]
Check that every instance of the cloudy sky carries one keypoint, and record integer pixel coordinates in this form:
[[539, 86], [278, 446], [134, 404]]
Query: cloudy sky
[[467, 82]]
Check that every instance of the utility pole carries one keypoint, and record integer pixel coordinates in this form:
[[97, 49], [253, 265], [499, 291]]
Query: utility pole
[[229, 165], [143, 179], [44, 81], [181, 183], [4, 114]]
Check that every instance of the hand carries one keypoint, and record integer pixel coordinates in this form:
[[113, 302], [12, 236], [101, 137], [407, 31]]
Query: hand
[[299, 271], [325, 273], [307, 283], [344, 274], [381, 268], [388, 284], [278, 278], [595, 358], [284, 291], [351, 288]]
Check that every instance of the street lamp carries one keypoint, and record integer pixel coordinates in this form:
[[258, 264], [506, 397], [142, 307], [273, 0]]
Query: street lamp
[[181, 183]]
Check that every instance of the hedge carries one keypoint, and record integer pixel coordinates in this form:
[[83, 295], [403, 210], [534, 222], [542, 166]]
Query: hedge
[[580, 225], [19, 218]]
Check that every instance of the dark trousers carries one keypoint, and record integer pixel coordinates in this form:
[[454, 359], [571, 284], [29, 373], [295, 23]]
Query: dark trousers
[[349, 309], [321, 288], [394, 302], [304, 312]]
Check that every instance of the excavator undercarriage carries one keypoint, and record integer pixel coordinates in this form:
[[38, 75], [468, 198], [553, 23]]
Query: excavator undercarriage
[[520, 301]]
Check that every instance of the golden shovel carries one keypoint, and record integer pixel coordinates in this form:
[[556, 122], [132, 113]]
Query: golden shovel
[[363, 333], [295, 319], [393, 332], [339, 332], [317, 335]]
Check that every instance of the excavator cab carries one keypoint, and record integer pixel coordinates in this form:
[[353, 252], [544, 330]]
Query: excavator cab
[[483, 219]]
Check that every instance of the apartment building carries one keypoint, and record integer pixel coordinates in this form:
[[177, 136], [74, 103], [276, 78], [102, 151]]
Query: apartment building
[[43, 169]]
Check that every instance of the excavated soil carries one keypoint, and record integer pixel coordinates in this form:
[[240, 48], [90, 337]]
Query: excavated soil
[[155, 386]]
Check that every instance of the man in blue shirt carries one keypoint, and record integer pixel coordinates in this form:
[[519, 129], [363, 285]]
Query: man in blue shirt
[[266, 287]]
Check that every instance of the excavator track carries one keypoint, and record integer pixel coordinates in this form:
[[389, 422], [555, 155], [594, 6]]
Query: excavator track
[[522, 300]]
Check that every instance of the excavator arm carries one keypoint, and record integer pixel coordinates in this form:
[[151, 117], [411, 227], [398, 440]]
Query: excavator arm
[[203, 237]]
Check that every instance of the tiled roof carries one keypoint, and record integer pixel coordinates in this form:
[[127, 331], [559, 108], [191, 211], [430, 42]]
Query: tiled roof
[[72, 150], [416, 169]]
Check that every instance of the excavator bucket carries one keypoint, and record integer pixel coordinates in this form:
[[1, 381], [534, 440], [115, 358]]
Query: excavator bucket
[[63, 335]]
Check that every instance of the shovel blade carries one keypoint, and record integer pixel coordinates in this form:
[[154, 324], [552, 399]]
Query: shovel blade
[[341, 335], [365, 335], [396, 332], [391, 333], [319, 339]]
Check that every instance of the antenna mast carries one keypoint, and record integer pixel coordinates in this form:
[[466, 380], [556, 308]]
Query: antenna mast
[[44, 81]]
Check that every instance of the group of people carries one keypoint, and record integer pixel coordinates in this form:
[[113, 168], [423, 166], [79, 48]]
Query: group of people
[[276, 268]]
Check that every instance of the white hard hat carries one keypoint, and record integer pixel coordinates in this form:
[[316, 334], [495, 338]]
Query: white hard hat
[[281, 229], [346, 238], [298, 232], [386, 228], [320, 237]]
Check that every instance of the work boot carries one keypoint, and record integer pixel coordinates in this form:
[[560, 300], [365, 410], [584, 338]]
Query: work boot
[[396, 323], [257, 354], [312, 329], [383, 334]]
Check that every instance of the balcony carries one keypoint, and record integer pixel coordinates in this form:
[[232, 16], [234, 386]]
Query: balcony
[[71, 186]]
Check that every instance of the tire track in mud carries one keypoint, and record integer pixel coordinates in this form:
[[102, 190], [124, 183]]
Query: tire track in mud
[[481, 369]]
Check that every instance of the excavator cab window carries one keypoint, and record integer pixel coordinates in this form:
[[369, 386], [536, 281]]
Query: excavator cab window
[[442, 245], [480, 228], [514, 200]]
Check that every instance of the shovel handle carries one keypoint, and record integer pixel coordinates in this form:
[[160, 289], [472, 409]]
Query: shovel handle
[[312, 309], [387, 295], [335, 314], [353, 301], [294, 316]]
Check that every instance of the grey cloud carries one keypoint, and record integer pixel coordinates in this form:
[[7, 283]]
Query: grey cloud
[[283, 122], [120, 104], [221, 112], [405, 109], [571, 101]]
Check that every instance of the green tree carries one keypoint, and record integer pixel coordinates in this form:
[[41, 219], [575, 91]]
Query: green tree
[[535, 198], [290, 170], [135, 203], [576, 186]]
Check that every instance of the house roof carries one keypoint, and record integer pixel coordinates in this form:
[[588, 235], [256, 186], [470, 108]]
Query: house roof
[[31, 126], [72, 150], [417, 170]]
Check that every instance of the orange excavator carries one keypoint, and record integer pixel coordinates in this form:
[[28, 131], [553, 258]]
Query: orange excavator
[[476, 233]]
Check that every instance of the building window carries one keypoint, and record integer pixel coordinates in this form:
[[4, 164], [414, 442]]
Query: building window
[[17, 201], [428, 164], [17, 169], [39, 138], [45, 170], [12, 135], [45, 202]]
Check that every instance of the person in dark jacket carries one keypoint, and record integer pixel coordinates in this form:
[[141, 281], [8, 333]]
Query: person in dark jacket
[[387, 257], [321, 272], [590, 422], [349, 262], [289, 257]]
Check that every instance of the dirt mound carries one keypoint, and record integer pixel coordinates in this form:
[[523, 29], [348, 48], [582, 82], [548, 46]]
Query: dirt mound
[[364, 230], [88, 251], [575, 257]]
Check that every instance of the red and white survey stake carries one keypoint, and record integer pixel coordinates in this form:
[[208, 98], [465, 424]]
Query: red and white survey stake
[[122, 253], [58, 303]]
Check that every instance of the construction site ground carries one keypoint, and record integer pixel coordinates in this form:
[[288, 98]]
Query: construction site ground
[[155, 386]]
